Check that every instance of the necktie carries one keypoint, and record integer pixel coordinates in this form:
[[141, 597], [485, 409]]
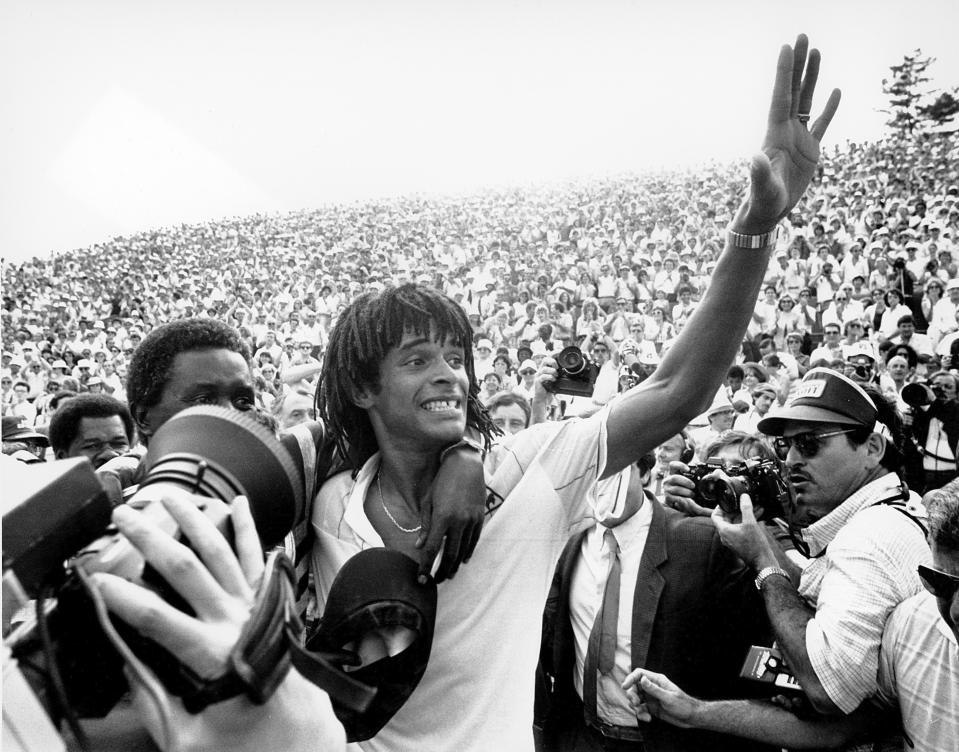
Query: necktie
[[601, 649], [609, 614]]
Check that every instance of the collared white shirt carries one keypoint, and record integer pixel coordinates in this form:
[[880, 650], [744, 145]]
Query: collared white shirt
[[477, 692], [869, 568], [586, 599]]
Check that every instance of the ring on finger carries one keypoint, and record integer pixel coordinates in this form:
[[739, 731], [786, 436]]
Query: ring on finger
[[803, 117]]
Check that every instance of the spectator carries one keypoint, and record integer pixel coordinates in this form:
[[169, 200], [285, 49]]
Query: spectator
[[94, 426]]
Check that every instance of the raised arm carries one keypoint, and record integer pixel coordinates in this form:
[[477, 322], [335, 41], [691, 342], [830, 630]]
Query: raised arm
[[687, 379]]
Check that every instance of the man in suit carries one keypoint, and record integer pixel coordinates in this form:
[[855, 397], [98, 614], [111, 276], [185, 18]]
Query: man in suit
[[683, 603]]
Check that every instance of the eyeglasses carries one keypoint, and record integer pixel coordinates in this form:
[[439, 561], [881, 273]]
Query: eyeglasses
[[940, 584], [527, 372], [807, 444]]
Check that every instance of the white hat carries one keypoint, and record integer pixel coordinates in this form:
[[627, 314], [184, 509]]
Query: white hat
[[720, 404]]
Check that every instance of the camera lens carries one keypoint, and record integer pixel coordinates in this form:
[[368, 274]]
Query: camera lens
[[723, 492], [571, 360]]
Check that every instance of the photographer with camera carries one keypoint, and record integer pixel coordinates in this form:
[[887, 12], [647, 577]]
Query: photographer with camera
[[918, 673], [222, 588], [855, 521], [932, 420], [730, 452]]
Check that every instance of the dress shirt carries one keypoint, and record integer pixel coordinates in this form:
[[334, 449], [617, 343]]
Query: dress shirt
[[868, 568], [586, 600]]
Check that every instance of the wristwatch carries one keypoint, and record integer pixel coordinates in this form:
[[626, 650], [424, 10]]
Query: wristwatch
[[753, 242], [766, 573]]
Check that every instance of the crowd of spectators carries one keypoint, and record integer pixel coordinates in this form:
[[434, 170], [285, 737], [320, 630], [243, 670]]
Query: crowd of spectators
[[865, 270]]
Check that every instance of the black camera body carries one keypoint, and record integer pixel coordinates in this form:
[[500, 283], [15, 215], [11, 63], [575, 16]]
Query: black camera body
[[720, 484], [920, 394], [62, 515], [575, 373]]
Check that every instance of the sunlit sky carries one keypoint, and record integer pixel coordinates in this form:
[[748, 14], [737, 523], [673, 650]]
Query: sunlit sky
[[121, 116]]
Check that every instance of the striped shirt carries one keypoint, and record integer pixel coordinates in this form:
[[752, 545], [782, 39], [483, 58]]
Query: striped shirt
[[869, 567]]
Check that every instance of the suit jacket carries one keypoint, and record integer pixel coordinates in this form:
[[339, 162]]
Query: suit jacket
[[695, 614]]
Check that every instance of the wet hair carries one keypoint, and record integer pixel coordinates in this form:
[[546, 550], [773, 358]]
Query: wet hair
[[943, 508], [66, 420], [364, 334], [152, 361]]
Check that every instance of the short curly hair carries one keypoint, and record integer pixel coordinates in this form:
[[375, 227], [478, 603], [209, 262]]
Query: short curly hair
[[152, 361], [66, 420]]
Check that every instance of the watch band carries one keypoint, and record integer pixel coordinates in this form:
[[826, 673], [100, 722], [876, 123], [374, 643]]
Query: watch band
[[767, 572], [752, 242]]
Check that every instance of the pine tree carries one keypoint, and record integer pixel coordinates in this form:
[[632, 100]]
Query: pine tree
[[912, 105]]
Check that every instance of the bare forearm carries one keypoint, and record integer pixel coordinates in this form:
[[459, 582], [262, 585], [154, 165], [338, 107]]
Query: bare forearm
[[764, 722], [685, 382], [789, 614]]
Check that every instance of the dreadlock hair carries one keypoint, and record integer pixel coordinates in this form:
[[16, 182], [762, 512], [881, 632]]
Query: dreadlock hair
[[364, 333], [152, 361]]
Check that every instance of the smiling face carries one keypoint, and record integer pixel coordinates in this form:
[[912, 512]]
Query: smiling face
[[421, 402]]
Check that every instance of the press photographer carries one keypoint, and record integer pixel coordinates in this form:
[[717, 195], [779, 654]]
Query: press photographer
[[737, 463], [933, 424], [204, 635], [856, 521]]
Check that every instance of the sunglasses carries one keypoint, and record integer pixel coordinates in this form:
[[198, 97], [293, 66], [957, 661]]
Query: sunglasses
[[807, 444], [938, 583], [527, 372]]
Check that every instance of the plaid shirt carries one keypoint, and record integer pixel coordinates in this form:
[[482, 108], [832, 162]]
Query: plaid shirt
[[919, 672], [868, 568]]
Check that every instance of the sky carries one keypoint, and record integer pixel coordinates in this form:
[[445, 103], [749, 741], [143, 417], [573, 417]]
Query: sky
[[119, 116]]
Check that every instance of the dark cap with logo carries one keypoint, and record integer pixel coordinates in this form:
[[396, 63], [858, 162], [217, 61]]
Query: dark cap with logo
[[824, 396]]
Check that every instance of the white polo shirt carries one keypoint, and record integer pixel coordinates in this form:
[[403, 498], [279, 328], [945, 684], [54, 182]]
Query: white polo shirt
[[477, 692]]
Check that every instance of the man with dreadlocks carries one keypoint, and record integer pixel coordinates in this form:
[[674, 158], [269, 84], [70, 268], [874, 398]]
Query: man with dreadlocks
[[399, 388]]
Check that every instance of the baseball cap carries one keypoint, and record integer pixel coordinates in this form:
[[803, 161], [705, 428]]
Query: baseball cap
[[484, 343], [527, 365], [824, 396], [377, 588]]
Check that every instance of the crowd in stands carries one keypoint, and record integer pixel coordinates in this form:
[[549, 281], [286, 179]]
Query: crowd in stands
[[865, 270]]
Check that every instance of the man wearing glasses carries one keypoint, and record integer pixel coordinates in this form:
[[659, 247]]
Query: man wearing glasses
[[855, 521], [918, 669]]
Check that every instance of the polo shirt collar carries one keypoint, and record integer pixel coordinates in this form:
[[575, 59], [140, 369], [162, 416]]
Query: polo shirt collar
[[355, 515]]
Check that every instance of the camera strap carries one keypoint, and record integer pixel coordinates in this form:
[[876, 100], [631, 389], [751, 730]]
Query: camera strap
[[269, 644]]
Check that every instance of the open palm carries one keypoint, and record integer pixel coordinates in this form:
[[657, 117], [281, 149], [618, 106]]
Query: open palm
[[781, 173]]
